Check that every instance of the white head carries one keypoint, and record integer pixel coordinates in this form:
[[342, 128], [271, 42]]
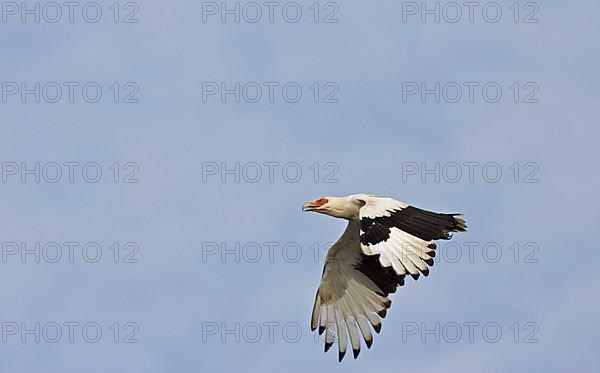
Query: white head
[[339, 207]]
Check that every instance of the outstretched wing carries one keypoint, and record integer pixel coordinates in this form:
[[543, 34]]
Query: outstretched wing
[[402, 236], [352, 296]]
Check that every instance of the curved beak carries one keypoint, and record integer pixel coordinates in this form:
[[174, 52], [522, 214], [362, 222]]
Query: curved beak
[[316, 205], [309, 206]]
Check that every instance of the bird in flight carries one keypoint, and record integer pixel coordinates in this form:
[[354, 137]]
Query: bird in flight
[[384, 241]]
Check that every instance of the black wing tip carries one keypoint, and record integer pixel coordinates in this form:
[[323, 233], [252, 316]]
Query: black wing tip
[[429, 263], [382, 313], [341, 356], [377, 328], [415, 276], [321, 329], [355, 352], [328, 346], [425, 271], [369, 342], [460, 225]]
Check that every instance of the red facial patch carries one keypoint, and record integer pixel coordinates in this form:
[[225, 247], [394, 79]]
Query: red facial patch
[[320, 202]]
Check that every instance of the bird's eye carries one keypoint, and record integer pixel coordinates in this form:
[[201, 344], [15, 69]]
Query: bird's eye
[[321, 201]]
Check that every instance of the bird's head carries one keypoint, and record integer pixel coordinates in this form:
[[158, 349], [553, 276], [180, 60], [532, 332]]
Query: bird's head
[[339, 207]]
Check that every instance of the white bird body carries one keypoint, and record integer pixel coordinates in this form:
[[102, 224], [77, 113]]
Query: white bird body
[[385, 239]]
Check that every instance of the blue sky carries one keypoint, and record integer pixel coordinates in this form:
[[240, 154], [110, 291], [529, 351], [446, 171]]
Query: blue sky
[[173, 289]]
